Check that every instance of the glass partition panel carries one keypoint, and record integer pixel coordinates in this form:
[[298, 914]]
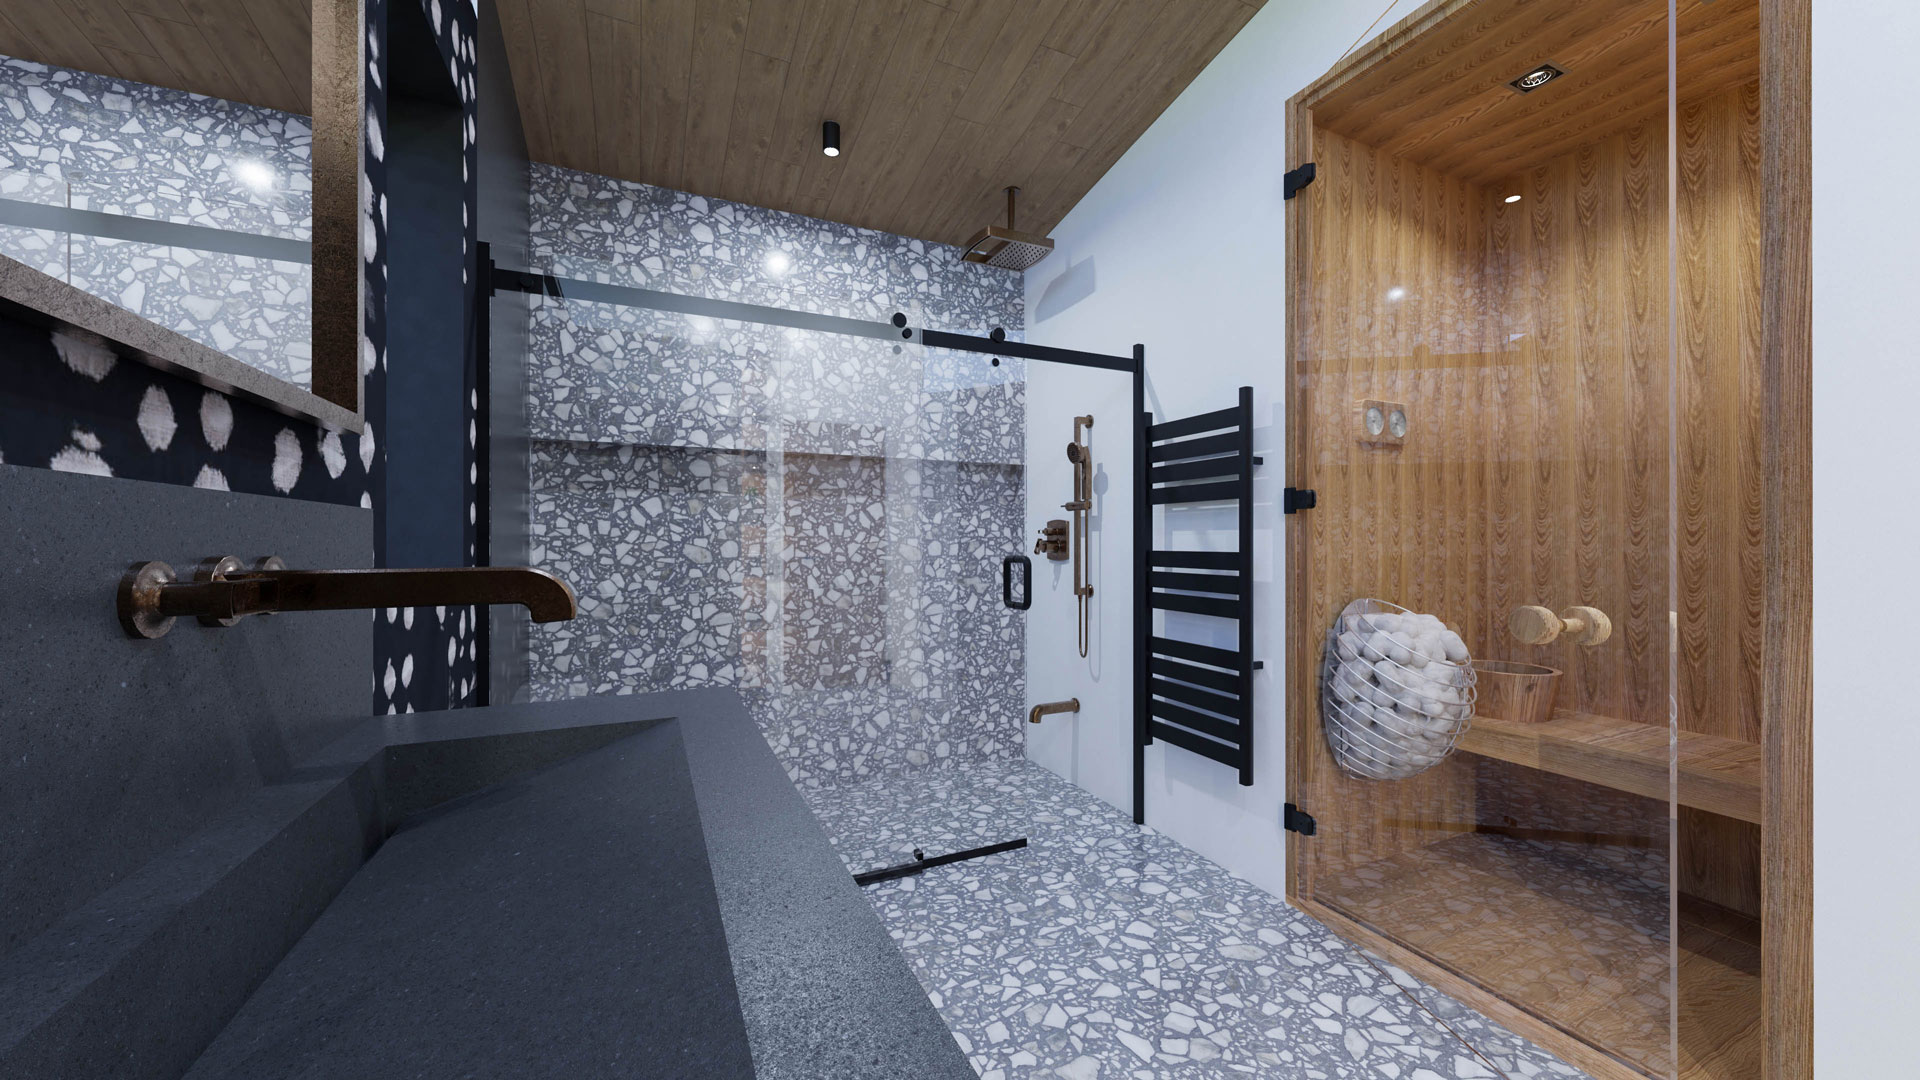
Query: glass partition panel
[[1484, 595], [816, 518], [1719, 536]]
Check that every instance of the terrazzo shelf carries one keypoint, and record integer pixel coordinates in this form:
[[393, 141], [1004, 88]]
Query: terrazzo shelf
[[1718, 775]]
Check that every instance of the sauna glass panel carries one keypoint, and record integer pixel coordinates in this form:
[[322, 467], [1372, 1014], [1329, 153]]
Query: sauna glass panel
[[1719, 539], [1490, 262]]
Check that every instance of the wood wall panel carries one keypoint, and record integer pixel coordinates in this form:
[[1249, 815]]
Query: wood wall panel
[[941, 104], [1578, 274], [1721, 547]]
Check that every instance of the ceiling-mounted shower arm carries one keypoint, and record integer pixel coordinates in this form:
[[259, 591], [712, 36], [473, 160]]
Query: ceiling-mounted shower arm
[[1007, 247]]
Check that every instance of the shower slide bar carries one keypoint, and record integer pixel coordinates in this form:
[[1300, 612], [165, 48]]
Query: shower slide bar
[[1193, 696]]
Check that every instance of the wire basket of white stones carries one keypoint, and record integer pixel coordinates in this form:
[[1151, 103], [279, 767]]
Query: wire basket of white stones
[[1396, 690]]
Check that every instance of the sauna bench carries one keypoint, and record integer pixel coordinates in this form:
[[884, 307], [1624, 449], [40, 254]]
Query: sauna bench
[[1718, 775]]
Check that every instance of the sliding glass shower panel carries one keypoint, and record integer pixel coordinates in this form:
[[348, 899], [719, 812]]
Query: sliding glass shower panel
[[814, 518]]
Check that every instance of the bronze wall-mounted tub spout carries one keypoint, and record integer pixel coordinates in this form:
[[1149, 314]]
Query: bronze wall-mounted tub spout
[[224, 590], [1048, 708]]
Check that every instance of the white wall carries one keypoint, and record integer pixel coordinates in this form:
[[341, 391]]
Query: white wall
[[1180, 246], [1092, 748], [1866, 546]]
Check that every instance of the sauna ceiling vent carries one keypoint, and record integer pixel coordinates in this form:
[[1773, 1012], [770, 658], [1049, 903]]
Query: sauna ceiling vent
[[1537, 78]]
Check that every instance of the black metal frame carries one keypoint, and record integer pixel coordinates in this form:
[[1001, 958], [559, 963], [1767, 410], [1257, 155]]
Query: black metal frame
[[1196, 697]]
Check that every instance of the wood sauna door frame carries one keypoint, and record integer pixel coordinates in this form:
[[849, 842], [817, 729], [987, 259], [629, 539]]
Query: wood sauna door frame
[[1786, 814]]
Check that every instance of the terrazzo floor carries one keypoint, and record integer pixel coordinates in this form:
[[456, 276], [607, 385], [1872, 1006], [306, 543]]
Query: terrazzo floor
[[1104, 950]]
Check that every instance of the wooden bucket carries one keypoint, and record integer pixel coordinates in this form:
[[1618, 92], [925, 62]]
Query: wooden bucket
[[1514, 692]]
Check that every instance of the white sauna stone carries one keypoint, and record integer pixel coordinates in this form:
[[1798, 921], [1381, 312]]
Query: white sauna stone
[[1455, 648], [1417, 655], [1399, 648], [1349, 646]]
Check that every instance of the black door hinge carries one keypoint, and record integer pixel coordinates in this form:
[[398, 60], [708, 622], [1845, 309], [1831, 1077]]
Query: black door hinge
[[1295, 179], [1298, 820], [1292, 499]]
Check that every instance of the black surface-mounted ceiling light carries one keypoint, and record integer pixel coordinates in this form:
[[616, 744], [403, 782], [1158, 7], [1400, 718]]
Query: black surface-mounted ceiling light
[[1537, 78], [830, 139]]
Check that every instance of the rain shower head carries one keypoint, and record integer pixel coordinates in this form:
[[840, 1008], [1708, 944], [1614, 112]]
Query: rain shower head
[[1007, 248]]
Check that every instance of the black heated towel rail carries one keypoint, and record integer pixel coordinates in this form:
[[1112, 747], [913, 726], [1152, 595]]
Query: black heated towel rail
[[1197, 697]]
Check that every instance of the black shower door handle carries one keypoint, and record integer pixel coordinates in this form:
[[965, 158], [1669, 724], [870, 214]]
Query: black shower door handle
[[1026, 581]]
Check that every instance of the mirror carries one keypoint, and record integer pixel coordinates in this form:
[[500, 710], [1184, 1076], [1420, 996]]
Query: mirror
[[175, 161]]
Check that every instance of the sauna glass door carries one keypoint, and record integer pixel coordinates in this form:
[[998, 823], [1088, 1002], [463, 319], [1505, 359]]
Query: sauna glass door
[[1521, 423]]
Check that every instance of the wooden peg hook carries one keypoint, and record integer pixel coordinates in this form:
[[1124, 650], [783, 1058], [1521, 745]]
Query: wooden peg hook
[[1537, 625]]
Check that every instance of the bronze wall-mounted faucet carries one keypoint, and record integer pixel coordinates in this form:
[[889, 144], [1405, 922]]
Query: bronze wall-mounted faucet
[[224, 590]]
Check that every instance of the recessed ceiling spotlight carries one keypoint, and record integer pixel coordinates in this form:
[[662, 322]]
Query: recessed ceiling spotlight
[[257, 175], [1513, 198], [830, 139], [778, 263], [1537, 78]]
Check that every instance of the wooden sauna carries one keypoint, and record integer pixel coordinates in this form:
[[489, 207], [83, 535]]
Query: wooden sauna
[[1562, 245]]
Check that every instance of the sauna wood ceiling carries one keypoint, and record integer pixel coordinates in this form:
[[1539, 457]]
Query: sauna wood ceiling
[[255, 51], [941, 104], [1443, 101]]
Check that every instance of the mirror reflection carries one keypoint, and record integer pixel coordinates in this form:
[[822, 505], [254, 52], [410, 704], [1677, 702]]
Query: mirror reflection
[[160, 157]]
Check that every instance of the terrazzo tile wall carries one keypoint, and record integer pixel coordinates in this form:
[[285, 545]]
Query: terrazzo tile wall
[[815, 518], [93, 142]]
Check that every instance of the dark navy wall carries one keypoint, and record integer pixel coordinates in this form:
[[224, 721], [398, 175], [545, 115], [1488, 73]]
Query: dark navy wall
[[428, 454]]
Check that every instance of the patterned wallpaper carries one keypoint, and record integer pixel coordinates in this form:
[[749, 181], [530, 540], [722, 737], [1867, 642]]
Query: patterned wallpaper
[[97, 143], [816, 519], [69, 406]]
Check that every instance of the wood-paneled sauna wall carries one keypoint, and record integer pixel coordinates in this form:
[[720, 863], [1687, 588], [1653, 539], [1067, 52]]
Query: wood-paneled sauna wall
[[1587, 426]]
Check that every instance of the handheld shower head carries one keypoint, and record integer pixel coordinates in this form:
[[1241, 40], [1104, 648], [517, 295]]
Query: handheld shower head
[[1075, 452]]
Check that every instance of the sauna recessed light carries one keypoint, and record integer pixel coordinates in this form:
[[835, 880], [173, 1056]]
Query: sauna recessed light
[[1537, 78], [778, 263], [1398, 292], [1512, 198], [830, 139]]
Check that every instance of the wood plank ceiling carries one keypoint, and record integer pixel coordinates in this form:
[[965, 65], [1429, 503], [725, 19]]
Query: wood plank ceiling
[[255, 51], [1442, 100], [942, 103]]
